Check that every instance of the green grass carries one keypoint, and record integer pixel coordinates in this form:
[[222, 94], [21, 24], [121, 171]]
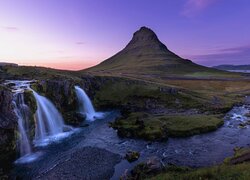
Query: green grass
[[151, 127], [34, 72], [186, 125], [139, 95], [221, 172], [224, 171]]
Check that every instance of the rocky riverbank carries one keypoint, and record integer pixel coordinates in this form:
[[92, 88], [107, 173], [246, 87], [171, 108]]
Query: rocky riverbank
[[85, 163]]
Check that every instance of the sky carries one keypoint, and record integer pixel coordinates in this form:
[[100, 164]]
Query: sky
[[76, 34]]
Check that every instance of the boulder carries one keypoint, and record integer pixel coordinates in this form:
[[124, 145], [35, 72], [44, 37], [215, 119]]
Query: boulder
[[152, 166], [132, 156]]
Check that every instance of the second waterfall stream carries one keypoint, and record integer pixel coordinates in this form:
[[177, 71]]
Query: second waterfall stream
[[86, 107]]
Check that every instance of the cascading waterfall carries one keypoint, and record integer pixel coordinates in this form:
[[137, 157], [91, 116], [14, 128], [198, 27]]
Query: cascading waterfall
[[85, 105], [49, 120], [23, 113]]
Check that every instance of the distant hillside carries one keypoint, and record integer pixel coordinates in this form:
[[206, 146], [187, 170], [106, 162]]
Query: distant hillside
[[7, 64], [146, 55], [233, 67]]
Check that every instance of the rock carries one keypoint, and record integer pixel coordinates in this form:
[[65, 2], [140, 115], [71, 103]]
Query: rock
[[154, 164], [132, 156], [140, 122], [84, 125], [9, 119], [143, 170], [242, 126], [67, 128], [247, 115], [8, 126], [125, 175], [85, 163]]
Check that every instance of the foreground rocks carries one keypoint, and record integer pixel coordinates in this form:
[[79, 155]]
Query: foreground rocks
[[86, 163]]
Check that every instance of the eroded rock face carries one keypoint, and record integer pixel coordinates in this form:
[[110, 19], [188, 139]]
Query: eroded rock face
[[8, 125], [62, 94], [8, 118]]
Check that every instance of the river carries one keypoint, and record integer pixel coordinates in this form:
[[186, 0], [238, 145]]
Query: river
[[195, 151]]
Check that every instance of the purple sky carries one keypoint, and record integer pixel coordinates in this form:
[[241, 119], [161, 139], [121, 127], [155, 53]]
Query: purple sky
[[74, 34]]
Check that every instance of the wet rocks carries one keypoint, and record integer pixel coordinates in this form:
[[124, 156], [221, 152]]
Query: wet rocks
[[241, 155], [132, 156], [247, 115], [85, 163], [30, 100], [8, 118], [8, 125]]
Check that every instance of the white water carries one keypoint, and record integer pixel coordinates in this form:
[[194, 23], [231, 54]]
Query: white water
[[22, 112], [49, 121], [23, 115], [86, 107]]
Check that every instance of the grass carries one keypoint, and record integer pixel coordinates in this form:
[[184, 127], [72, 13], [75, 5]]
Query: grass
[[34, 72], [150, 127], [224, 171], [221, 172], [137, 94], [187, 125]]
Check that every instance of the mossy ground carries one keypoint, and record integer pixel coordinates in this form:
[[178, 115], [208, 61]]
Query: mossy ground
[[151, 127], [224, 171], [220, 172]]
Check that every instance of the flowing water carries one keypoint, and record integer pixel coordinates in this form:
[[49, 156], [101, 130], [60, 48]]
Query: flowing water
[[195, 151], [23, 113], [85, 106], [49, 120], [49, 124]]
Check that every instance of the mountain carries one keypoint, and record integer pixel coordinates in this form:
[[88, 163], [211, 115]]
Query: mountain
[[233, 67], [145, 54], [7, 64]]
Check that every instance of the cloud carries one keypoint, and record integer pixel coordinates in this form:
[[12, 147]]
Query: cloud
[[232, 55], [193, 7], [10, 28], [238, 49], [80, 43]]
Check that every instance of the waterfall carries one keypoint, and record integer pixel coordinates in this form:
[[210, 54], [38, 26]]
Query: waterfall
[[49, 124], [49, 121], [23, 114], [85, 105]]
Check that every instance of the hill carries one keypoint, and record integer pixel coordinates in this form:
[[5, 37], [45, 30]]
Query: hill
[[233, 67], [146, 55]]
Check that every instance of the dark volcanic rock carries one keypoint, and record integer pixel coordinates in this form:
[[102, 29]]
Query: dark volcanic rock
[[86, 163], [7, 116], [8, 125], [132, 156]]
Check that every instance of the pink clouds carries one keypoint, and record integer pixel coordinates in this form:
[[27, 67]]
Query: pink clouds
[[193, 7], [10, 28]]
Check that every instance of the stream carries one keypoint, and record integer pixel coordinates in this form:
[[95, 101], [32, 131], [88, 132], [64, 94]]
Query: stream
[[195, 151]]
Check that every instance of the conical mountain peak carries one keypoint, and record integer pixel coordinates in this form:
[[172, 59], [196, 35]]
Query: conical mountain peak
[[145, 53], [145, 39], [144, 34]]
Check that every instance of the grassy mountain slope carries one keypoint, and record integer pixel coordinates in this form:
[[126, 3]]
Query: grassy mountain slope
[[145, 55]]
